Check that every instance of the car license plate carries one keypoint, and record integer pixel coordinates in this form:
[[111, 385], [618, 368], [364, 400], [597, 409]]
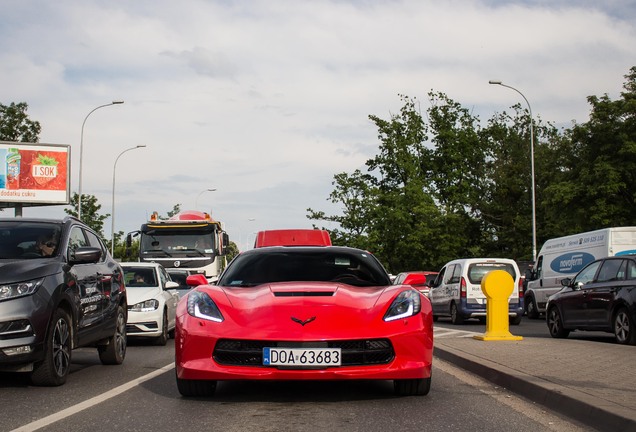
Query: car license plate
[[301, 357]]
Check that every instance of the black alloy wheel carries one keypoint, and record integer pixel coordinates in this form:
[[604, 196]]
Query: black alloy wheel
[[624, 328], [114, 352], [555, 324], [54, 369]]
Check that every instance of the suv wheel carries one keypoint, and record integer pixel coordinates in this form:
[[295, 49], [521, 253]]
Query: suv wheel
[[531, 308], [456, 317], [555, 324], [54, 369], [624, 328], [114, 351]]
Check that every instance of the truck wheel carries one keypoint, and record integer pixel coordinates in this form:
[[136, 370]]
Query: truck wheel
[[54, 369], [531, 308], [456, 317], [114, 351], [624, 328], [555, 324]]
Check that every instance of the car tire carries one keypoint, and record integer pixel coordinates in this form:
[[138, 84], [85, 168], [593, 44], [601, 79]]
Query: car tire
[[162, 339], [114, 352], [54, 369], [555, 324], [531, 308], [624, 327], [456, 317], [515, 320], [412, 387], [196, 388]]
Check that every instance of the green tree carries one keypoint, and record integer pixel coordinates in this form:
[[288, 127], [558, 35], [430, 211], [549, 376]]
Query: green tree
[[15, 124], [90, 212], [598, 182]]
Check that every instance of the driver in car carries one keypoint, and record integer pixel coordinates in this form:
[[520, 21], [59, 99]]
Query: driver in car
[[45, 245]]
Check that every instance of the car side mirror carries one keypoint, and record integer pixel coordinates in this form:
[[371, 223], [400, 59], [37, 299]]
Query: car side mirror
[[566, 281], [196, 280]]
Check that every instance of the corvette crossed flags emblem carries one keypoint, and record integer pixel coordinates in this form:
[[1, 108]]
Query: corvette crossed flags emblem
[[301, 322]]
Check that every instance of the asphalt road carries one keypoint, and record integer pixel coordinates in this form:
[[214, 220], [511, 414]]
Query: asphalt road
[[141, 395]]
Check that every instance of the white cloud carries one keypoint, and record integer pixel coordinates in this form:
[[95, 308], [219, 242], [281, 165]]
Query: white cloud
[[267, 100]]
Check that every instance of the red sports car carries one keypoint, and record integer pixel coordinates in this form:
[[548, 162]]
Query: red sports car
[[304, 313]]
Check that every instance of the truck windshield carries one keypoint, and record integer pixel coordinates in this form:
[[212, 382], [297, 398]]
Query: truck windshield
[[171, 243]]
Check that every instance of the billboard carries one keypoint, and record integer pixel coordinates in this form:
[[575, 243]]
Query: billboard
[[34, 174]]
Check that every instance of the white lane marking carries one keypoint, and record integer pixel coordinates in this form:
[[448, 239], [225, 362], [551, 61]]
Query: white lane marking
[[43, 422]]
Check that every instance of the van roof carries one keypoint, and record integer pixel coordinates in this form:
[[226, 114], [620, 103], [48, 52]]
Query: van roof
[[292, 237]]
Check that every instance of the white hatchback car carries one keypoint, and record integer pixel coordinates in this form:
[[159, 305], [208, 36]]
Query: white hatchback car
[[152, 301]]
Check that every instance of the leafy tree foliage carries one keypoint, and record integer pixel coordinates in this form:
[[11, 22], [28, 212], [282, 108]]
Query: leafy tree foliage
[[15, 124], [90, 212], [443, 187]]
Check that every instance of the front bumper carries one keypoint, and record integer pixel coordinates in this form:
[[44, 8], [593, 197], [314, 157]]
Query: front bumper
[[144, 324]]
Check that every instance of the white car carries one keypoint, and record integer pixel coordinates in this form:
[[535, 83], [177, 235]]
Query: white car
[[152, 301]]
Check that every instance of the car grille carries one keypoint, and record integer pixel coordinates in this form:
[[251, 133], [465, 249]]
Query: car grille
[[234, 352]]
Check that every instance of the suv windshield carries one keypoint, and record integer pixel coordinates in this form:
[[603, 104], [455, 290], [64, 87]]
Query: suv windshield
[[352, 267], [24, 240]]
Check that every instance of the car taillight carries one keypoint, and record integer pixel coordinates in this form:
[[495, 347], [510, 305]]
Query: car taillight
[[520, 288], [462, 288]]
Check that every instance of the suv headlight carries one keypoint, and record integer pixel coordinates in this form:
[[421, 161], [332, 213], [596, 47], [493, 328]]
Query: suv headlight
[[202, 306], [20, 289], [145, 306], [407, 304]]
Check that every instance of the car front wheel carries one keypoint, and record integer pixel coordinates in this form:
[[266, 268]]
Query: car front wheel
[[114, 352], [624, 328], [196, 388], [54, 369], [412, 387], [162, 339], [555, 324]]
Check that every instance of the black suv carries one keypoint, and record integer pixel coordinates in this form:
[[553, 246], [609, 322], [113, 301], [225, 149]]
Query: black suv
[[59, 289]]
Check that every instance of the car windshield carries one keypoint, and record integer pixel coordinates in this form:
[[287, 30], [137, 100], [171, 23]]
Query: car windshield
[[25, 240], [477, 271], [139, 276], [352, 267]]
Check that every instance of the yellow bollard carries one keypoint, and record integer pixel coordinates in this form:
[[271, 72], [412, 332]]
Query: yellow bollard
[[497, 285]]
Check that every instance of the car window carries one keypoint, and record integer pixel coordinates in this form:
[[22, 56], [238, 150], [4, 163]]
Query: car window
[[399, 279], [631, 270], [94, 241], [477, 271], [23, 240], [439, 278], [140, 276], [76, 238], [356, 268], [452, 274], [610, 270], [587, 274]]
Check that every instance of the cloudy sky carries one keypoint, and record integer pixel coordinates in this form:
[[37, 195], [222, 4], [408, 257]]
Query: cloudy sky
[[265, 101]]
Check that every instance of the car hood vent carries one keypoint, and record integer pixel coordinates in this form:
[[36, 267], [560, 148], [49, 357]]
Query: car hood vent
[[304, 293]]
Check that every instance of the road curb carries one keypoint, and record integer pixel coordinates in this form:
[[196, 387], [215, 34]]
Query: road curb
[[567, 401]]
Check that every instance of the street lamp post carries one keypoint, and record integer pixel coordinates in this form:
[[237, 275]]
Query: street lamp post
[[79, 193], [196, 201], [112, 219], [534, 211]]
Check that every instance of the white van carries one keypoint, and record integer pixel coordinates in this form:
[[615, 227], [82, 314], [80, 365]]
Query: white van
[[564, 256], [456, 292]]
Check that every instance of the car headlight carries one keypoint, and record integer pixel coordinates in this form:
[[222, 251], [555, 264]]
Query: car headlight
[[200, 305], [407, 304], [19, 289], [145, 306]]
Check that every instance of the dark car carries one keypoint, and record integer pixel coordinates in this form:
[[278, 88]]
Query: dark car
[[601, 297], [59, 289]]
